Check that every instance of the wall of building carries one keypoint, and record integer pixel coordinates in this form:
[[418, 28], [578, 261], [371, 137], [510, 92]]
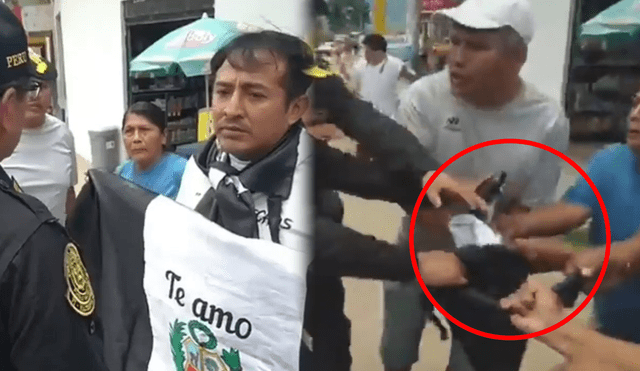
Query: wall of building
[[546, 63], [42, 18], [37, 18], [92, 33], [288, 15], [58, 46], [92, 36]]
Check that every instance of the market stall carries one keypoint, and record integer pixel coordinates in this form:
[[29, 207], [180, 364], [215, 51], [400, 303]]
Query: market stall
[[604, 70], [174, 74]]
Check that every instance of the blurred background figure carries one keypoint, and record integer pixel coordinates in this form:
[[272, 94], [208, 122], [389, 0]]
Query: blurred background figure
[[150, 165], [322, 31], [437, 57], [351, 61], [378, 79], [44, 163]]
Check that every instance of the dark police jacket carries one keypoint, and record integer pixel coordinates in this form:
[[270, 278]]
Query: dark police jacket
[[45, 319]]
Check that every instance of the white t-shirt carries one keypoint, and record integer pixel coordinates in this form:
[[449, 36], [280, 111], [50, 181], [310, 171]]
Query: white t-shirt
[[379, 84], [446, 125], [44, 164]]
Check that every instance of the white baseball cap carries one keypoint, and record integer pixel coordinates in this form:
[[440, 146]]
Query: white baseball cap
[[494, 14]]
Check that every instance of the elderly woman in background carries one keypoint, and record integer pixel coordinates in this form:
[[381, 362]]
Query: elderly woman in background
[[150, 166]]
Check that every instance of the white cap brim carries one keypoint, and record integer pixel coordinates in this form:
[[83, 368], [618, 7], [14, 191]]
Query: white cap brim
[[471, 19]]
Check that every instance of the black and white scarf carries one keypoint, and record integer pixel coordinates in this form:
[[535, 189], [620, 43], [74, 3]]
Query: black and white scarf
[[230, 204]]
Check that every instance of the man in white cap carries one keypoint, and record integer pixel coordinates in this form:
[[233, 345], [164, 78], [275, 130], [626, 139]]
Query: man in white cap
[[478, 97]]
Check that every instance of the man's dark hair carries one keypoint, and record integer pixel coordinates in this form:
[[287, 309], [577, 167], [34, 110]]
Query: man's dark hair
[[331, 95], [241, 54], [375, 42], [151, 112], [21, 87]]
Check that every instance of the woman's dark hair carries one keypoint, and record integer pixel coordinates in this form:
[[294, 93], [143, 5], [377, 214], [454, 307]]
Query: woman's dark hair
[[149, 111], [331, 95], [241, 54]]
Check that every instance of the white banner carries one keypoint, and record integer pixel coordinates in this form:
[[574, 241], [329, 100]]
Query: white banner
[[220, 302]]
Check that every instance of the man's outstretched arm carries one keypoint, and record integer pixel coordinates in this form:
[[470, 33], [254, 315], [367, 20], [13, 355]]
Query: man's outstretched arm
[[342, 251], [535, 307], [551, 220]]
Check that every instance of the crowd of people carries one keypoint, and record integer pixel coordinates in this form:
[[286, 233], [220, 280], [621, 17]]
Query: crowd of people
[[270, 172], [480, 96]]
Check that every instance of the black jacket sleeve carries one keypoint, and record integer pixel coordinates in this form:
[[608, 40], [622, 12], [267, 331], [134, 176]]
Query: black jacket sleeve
[[341, 251], [390, 142], [367, 179], [43, 331]]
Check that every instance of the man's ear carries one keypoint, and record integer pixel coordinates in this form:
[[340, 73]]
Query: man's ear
[[519, 54], [297, 108], [7, 109]]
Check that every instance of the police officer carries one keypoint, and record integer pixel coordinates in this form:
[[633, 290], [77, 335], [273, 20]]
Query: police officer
[[46, 298]]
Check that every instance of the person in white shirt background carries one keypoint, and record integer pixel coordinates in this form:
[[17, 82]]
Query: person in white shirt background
[[44, 163], [478, 97], [378, 79], [351, 61]]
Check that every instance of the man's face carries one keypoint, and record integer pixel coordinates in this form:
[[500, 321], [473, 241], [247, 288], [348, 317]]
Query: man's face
[[633, 135], [249, 106], [143, 140], [369, 55], [477, 63], [38, 107], [12, 116]]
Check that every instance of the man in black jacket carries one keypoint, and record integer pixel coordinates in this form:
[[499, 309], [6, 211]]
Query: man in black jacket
[[396, 174]]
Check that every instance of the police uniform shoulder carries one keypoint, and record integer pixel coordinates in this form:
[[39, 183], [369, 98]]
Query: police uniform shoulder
[[21, 218], [13, 200], [17, 221]]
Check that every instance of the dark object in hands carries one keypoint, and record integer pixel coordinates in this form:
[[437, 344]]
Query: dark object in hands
[[491, 190], [493, 269], [569, 289]]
